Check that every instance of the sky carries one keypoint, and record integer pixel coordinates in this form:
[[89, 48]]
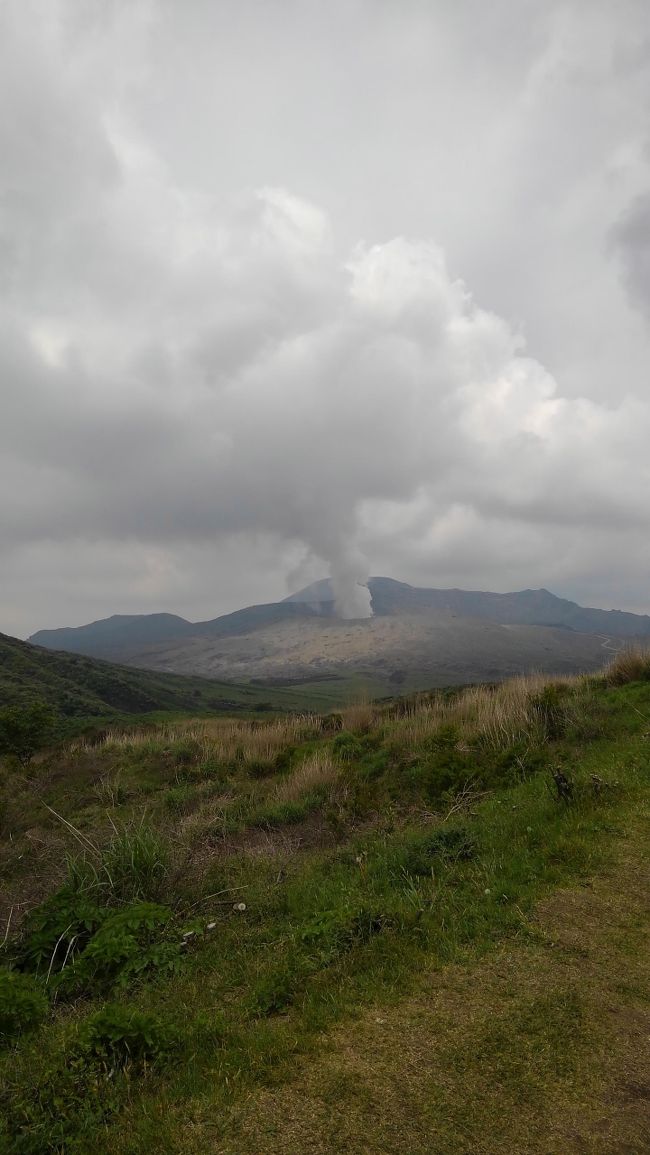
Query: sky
[[292, 288]]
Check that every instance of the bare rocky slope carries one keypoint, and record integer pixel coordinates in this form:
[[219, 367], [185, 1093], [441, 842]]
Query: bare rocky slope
[[416, 637]]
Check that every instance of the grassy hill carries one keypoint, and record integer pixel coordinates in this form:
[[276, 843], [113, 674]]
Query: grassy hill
[[80, 687], [422, 928]]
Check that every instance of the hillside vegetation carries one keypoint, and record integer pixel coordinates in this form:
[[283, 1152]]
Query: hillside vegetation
[[192, 912], [81, 687]]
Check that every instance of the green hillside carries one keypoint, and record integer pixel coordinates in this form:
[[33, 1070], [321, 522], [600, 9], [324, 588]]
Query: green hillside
[[77, 687], [424, 931]]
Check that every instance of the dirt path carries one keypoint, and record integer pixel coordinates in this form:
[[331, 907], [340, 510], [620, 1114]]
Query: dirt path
[[607, 644], [541, 1049]]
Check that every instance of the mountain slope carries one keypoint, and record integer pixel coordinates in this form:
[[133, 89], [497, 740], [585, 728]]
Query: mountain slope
[[400, 652], [525, 607], [134, 638], [110, 636], [415, 639], [78, 686]]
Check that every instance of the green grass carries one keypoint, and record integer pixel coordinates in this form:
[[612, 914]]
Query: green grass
[[88, 690], [427, 848]]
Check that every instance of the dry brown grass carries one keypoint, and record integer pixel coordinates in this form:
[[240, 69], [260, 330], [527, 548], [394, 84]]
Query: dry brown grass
[[359, 717], [222, 739], [318, 770], [631, 664], [495, 715]]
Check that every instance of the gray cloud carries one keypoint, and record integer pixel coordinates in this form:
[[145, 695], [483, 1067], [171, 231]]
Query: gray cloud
[[219, 373], [631, 238]]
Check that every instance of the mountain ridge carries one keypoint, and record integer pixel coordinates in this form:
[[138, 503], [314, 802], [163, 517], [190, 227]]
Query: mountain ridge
[[121, 636]]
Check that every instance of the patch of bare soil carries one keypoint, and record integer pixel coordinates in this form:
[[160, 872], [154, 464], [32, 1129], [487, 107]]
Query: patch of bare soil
[[311, 833], [541, 1049], [280, 844]]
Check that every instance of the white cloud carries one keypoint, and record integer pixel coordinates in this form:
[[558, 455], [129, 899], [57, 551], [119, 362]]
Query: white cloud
[[220, 385]]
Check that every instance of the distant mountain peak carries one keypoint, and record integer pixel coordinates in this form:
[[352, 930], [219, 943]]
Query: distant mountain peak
[[151, 638]]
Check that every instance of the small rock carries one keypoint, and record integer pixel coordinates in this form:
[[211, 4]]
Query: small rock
[[189, 934], [211, 926]]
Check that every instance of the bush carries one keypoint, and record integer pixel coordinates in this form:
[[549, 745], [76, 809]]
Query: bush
[[129, 945], [347, 747], [57, 1109], [179, 798], [335, 932], [118, 1035], [274, 994], [549, 706], [23, 1004], [26, 729], [187, 752], [131, 868], [57, 930], [283, 813]]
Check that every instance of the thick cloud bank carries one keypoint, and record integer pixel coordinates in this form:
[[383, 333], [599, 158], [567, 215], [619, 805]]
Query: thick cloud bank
[[195, 385]]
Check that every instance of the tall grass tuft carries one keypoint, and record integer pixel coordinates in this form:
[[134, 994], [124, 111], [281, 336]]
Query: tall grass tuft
[[136, 862], [631, 664], [493, 716], [132, 867], [359, 717], [317, 773]]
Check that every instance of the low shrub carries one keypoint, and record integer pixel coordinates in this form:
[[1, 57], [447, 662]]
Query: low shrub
[[263, 767], [187, 752], [279, 813], [273, 994], [130, 868], [23, 1004], [550, 707], [58, 1109], [347, 747], [118, 1036], [130, 945], [179, 798], [57, 930], [284, 757], [447, 844]]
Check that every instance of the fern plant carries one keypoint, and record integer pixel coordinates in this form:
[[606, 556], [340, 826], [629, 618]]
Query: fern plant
[[129, 945]]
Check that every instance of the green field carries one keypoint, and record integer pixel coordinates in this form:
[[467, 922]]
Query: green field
[[401, 932]]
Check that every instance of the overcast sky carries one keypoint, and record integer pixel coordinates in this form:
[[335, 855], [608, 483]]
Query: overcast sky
[[291, 287]]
